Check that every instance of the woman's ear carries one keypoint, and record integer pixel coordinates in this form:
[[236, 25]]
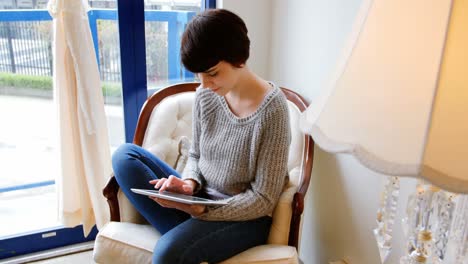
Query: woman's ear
[[241, 65]]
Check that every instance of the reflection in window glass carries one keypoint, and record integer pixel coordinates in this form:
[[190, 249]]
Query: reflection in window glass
[[165, 22], [27, 116], [28, 138]]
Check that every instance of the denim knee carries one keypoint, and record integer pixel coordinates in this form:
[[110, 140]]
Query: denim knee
[[121, 154], [166, 252], [124, 150]]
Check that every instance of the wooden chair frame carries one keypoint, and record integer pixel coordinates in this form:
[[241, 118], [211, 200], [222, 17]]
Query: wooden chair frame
[[112, 187]]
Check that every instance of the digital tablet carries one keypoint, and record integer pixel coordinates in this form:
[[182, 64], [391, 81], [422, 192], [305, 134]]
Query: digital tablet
[[177, 197]]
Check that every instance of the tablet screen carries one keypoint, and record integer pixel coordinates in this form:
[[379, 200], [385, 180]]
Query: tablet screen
[[178, 197]]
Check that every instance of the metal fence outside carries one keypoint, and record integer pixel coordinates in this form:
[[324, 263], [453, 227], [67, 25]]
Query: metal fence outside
[[26, 42], [25, 48]]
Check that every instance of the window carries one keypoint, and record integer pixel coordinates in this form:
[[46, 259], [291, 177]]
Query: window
[[28, 138], [129, 69]]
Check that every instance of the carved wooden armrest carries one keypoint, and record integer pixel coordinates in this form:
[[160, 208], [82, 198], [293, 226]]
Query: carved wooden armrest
[[298, 200], [297, 208], [110, 192]]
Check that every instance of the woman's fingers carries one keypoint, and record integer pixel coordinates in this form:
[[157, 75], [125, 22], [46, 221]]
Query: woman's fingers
[[187, 189], [154, 182], [162, 202], [168, 184], [164, 185], [158, 182], [194, 209], [172, 184], [168, 204]]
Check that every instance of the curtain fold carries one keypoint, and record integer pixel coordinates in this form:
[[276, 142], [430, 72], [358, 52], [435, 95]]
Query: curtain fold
[[84, 145]]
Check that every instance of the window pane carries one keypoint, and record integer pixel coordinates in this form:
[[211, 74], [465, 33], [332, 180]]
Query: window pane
[[165, 22], [110, 72], [29, 138]]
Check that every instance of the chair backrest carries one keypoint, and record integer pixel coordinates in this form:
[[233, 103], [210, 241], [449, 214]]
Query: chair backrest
[[160, 127]]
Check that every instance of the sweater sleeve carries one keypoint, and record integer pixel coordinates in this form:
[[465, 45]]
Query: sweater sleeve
[[272, 159], [191, 170]]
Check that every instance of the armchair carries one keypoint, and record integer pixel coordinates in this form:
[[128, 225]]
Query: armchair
[[164, 119]]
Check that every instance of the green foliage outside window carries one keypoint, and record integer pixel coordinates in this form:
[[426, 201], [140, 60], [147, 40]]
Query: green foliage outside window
[[44, 83]]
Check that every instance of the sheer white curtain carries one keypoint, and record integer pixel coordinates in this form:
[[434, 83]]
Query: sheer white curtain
[[84, 147]]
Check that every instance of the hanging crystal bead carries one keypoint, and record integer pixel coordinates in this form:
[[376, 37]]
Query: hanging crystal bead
[[418, 224], [444, 206], [386, 216], [457, 246], [411, 222]]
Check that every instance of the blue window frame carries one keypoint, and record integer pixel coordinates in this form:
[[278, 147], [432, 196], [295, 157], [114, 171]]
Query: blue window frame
[[209, 4], [43, 240], [133, 59]]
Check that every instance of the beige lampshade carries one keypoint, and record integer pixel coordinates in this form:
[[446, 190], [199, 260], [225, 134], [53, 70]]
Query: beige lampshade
[[399, 98]]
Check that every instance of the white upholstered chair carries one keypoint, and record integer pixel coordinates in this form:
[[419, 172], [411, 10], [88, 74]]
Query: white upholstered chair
[[165, 118]]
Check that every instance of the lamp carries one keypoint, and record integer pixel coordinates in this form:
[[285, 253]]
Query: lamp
[[399, 101]]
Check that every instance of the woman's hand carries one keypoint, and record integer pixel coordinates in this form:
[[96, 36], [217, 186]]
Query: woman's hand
[[174, 184], [191, 209]]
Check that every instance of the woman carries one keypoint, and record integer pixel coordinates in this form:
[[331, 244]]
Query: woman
[[239, 152]]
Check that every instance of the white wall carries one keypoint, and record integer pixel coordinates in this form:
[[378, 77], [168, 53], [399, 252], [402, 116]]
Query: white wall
[[296, 43], [257, 17]]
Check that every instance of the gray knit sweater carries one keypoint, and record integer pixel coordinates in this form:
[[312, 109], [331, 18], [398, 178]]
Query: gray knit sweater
[[243, 158]]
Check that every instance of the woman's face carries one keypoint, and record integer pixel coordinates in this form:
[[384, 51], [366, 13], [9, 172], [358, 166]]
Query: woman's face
[[221, 78]]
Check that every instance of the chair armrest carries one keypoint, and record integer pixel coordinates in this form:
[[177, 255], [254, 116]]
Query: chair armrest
[[298, 208], [285, 227], [110, 192], [298, 201], [121, 210], [281, 225]]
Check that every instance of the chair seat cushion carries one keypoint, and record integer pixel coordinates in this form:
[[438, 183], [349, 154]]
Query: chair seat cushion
[[266, 254], [133, 243], [120, 243]]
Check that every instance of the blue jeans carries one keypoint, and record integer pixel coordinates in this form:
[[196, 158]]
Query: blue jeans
[[184, 239]]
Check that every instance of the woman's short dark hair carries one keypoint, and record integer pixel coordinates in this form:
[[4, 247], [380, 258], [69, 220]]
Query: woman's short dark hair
[[212, 36]]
